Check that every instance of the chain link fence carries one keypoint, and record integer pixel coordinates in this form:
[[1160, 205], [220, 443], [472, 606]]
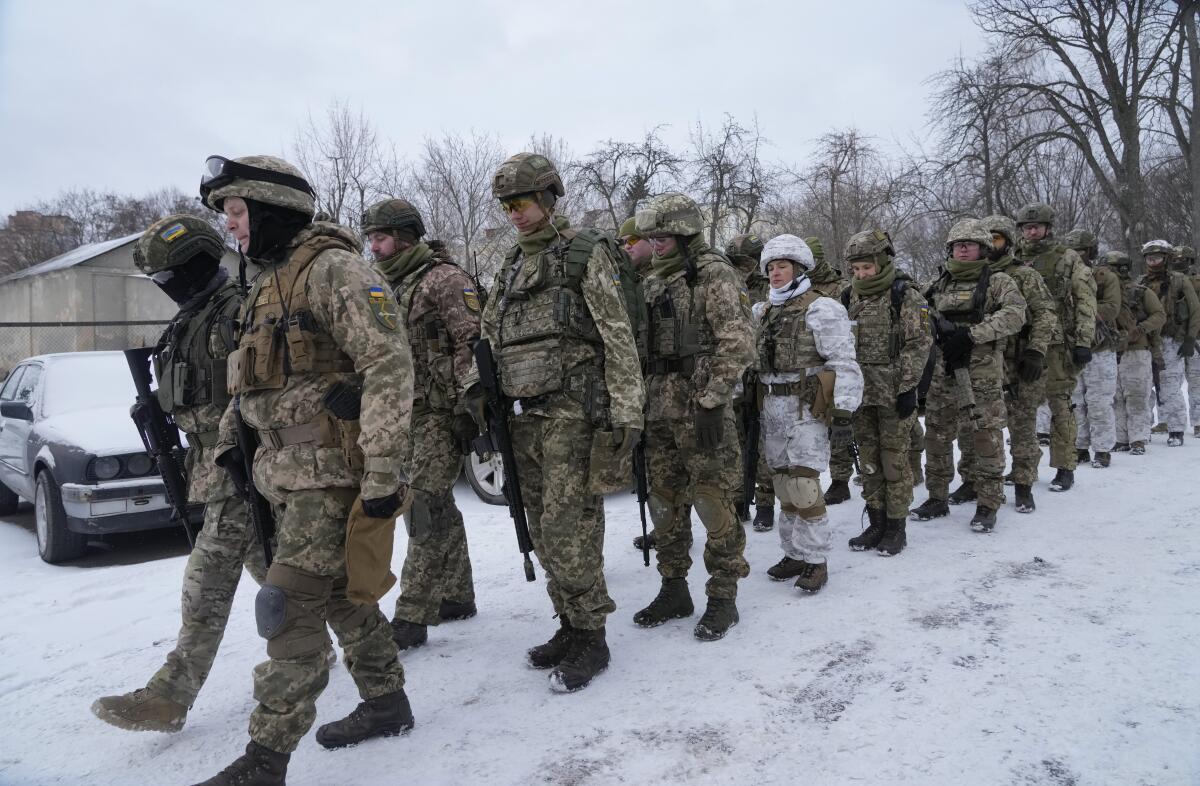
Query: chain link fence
[[19, 340]]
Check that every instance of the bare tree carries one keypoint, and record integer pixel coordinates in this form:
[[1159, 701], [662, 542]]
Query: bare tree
[[717, 165], [619, 175], [340, 158], [757, 182]]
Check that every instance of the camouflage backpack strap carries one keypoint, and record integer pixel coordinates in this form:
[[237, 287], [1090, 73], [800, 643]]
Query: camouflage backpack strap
[[979, 298]]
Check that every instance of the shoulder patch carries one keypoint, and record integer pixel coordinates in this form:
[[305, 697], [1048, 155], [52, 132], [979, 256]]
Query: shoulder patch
[[471, 299], [744, 295], [382, 306]]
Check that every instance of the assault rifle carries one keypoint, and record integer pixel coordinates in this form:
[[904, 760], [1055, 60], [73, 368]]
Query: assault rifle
[[751, 422], [160, 436], [965, 394], [257, 507], [641, 487], [499, 439]]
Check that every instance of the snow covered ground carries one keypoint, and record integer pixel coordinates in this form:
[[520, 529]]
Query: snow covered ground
[[1063, 649]]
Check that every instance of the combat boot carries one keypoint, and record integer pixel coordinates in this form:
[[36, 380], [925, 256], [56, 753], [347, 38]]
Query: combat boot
[[1196, 431], [1121, 447], [1175, 439], [869, 538], [408, 635], [141, 710], [720, 615], [1025, 499], [1101, 460], [984, 519], [1043, 439], [1137, 448], [382, 716], [837, 493], [587, 656], [894, 538], [815, 576], [1008, 479], [1159, 428], [786, 568], [764, 517], [1063, 480], [672, 602], [550, 654], [1082, 456], [652, 541], [450, 610], [964, 493], [258, 766], [932, 508]]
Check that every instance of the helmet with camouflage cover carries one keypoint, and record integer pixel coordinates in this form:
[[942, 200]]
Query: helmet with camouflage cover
[[1001, 225], [526, 173], [265, 179], [1119, 261], [816, 247], [1035, 213], [1158, 247], [969, 230], [396, 214], [789, 248], [1182, 258], [175, 240], [628, 229], [670, 214], [747, 247], [1080, 240], [868, 244]]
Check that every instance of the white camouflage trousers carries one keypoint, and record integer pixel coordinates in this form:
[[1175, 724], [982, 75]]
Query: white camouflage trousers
[[1131, 405], [1172, 409], [1192, 367], [797, 451], [1093, 400], [1043, 418]]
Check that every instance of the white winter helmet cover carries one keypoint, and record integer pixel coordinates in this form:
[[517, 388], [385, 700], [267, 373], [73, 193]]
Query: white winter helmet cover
[[787, 247]]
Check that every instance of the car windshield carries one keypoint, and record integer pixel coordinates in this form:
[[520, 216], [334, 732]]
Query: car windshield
[[87, 381]]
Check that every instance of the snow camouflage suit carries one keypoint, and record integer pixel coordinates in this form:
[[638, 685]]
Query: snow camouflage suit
[[891, 350], [1002, 314], [1097, 385], [827, 281], [1179, 301], [1074, 291], [1140, 319], [700, 342], [440, 306], [574, 374], [1021, 399], [189, 363], [311, 466]]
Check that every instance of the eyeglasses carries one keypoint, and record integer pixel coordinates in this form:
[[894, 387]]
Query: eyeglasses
[[516, 204], [220, 172], [630, 241]]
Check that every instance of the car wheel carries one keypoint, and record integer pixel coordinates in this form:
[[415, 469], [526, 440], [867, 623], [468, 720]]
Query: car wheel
[[56, 543], [8, 500], [486, 477]]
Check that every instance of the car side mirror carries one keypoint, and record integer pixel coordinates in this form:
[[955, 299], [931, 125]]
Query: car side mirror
[[17, 410]]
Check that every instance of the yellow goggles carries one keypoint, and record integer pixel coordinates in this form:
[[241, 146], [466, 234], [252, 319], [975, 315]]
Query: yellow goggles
[[517, 204]]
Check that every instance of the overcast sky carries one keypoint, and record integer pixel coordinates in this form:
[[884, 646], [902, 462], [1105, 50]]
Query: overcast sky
[[132, 96]]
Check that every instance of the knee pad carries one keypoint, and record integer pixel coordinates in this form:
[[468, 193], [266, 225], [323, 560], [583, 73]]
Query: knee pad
[[801, 488], [288, 610], [893, 462], [662, 508], [714, 508], [270, 610]]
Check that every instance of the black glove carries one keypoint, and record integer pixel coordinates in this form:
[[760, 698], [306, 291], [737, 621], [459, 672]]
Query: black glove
[[626, 437], [906, 403], [956, 348], [1081, 356], [1030, 366], [1188, 347], [840, 433], [464, 428], [710, 427], [383, 507], [233, 461]]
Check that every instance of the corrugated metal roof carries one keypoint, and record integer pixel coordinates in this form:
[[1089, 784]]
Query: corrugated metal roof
[[72, 258]]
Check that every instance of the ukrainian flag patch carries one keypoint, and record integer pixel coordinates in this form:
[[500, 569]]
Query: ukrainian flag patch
[[173, 232], [382, 307]]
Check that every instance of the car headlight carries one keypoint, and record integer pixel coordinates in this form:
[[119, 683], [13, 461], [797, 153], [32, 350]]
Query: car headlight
[[106, 467], [139, 464]]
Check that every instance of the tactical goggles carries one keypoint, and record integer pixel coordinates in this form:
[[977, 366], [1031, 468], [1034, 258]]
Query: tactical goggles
[[631, 240], [162, 276], [220, 172], [517, 204]]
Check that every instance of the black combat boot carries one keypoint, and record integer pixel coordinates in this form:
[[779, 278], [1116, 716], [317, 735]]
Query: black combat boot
[[815, 576], [786, 568], [869, 538], [1025, 502], [931, 508], [764, 517], [894, 539], [837, 493], [1008, 479], [1043, 439], [1121, 447], [587, 656], [1137, 448], [963, 494], [672, 602], [1174, 439], [451, 610], [1063, 480], [258, 766], [743, 511], [720, 615], [1196, 431], [382, 716], [408, 635], [1083, 456], [653, 542], [550, 654], [984, 519], [1101, 460]]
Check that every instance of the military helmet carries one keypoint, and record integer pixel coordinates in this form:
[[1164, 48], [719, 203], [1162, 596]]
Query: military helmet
[[969, 230], [1080, 240], [1185, 252], [1035, 213], [265, 179], [749, 246], [790, 248], [526, 173], [1001, 225], [628, 229], [670, 214], [172, 241], [868, 245], [1117, 260], [1158, 247], [393, 214], [816, 247]]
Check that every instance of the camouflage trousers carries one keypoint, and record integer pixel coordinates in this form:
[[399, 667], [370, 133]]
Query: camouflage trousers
[[1060, 384], [1172, 409], [1192, 374], [680, 475], [565, 521], [944, 422], [310, 569], [1131, 405], [1023, 428], [841, 463], [883, 457], [764, 493], [225, 543], [798, 451], [437, 566], [916, 450], [1093, 400]]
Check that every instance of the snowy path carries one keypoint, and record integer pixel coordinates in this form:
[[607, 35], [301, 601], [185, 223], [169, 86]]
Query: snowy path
[[1063, 649]]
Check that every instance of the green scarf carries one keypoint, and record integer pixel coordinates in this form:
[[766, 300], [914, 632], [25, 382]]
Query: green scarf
[[540, 239], [876, 284], [966, 271], [400, 264], [1033, 248], [672, 263]]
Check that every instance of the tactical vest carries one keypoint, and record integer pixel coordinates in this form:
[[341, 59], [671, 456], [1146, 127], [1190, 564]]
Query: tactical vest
[[1170, 292], [961, 302], [430, 343], [280, 336], [679, 335], [1055, 270], [188, 375], [1133, 309], [877, 334], [785, 344]]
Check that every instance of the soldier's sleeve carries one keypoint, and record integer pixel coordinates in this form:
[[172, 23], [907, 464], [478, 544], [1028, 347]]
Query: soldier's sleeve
[[490, 321], [1083, 289], [226, 432], [1189, 294], [458, 305], [727, 310], [830, 325], [1156, 315], [355, 305], [1006, 311], [916, 337], [622, 368], [1041, 311], [1108, 296]]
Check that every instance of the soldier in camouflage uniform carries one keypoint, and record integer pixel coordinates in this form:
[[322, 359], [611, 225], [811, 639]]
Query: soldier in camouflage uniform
[[182, 254], [980, 309], [323, 375], [1074, 291], [1140, 319], [700, 343], [637, 247], [892, 336], [565, 351], [1183, 261], [1097, 385], [439, 304], [1179, 300], [745, 251]]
